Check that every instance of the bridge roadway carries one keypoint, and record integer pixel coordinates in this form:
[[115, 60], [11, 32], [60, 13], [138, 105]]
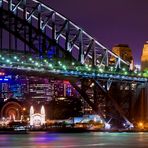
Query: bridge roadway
[[47, 67]]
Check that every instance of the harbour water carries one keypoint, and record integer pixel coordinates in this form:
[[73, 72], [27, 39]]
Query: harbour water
[[74, 140]]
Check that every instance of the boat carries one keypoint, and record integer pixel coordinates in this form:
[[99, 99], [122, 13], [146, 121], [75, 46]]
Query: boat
[[13, 130]]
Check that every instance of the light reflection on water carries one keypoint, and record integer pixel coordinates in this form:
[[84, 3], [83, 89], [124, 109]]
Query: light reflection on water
[[75, 140]]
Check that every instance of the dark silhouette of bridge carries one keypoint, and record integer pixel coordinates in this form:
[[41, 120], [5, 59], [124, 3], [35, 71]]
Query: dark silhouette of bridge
[[37, 40]]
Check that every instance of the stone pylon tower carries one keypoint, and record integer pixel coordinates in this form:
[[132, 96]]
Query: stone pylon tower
[[144, 66], [144, 57]]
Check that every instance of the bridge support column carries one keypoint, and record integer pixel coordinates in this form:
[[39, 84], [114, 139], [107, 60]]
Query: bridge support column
[[140, 112], [146, 99], [144, 103]]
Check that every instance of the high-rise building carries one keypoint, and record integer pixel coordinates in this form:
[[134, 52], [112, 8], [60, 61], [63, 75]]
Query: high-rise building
[[40, 89], [34, 89], [125, 52], [144, 57]]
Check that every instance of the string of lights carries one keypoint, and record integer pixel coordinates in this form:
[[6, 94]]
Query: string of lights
[[69, 68]]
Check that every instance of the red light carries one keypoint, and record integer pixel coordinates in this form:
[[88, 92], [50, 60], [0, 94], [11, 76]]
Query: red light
[[66, 82]]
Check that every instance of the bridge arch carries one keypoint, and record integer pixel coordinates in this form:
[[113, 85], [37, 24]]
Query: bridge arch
[[49, 28]]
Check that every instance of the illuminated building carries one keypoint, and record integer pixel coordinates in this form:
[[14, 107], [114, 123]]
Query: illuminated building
[[125, 52], [40, 89], [37, 119], [144, 57], [11, 87], [48, 89], [34, 88], [63, 88]]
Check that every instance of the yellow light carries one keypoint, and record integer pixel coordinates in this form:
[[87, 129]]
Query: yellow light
[[24, 109], [140, 125], [92, 84]]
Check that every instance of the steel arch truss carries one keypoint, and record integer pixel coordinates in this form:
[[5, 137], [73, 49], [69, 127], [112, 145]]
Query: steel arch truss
[[60, 30]]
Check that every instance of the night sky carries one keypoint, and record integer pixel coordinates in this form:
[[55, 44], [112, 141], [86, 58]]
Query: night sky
[[109, 21]]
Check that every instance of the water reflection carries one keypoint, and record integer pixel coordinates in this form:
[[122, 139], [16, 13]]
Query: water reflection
[[77, 140]]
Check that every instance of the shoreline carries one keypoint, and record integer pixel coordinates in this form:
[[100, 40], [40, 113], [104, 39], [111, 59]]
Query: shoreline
[[67, 130]]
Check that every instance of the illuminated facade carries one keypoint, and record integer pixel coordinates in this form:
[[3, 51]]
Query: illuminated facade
[[34, 89], [48, 89], [37, 119], [39, 89], [63, 88], [125, 52], [144, 57], [144, 94]]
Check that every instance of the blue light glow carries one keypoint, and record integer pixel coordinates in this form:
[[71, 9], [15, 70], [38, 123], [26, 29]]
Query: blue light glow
[[4, 79]]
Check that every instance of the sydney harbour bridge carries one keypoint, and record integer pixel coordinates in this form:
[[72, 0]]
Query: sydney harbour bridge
[[35, 40]]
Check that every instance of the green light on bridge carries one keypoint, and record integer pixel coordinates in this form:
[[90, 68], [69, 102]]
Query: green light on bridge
[[123, 69], [30, 59], [64, 67], [73, 64], [59, 62], [15, 57], [126, 73], [139, 74], [8, 61], [50, 65], [111, 68], [45, 61], [36, 64], [3, 58], [101, 70]]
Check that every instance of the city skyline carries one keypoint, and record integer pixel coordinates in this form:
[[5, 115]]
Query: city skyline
[[109, 22]]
